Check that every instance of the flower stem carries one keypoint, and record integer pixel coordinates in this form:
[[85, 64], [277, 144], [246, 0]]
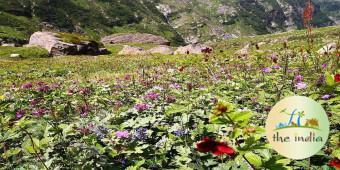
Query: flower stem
[[251, 165], [33, 146]]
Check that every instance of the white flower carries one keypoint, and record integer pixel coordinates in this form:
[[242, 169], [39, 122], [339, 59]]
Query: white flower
[[171, 70], [158, 88]]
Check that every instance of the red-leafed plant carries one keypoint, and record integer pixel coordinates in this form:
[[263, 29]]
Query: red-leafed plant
[[307, 18]]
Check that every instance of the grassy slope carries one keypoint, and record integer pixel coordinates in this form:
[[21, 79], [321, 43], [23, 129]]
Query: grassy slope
[[108, 67]]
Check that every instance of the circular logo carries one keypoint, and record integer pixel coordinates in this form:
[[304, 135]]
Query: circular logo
[[297, 127]]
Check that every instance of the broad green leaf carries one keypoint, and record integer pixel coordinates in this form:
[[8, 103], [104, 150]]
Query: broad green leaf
[[219, 120], [329, 79], [175, 108], [11, 152], [336, 153], [253, 159]]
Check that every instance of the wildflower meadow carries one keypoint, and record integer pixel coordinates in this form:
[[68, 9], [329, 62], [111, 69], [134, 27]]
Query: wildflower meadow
[[165, 112]]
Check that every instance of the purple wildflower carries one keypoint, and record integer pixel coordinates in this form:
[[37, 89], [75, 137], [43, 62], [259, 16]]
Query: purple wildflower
[[320, 81], [40, 83], [180, 132], [175, 86], [276, 67], [141, 106], [300, 85], [127, 77], [55, 86], [152, 96], [39, 112], [326, 97], [34, 102], [85, 91], [27, 86], [122, 134], [190, 86], [267, 70], [170, 99], [86, 130], [140, 133], [20, 113], [298, 78], [84, 110], [100, 131], [118, 104], [324, 66], [43, 88], [274, 57]]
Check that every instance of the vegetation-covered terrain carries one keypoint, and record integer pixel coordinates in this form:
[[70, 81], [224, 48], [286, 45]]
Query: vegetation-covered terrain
[[176, 20], [158, 112]]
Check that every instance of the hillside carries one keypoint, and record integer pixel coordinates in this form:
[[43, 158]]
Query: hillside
[[177, 20]]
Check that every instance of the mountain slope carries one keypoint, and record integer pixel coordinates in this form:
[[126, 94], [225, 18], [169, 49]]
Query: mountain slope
[[93, 17], [177, 20]]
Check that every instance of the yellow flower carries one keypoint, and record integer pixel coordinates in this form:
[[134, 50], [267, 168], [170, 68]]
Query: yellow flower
[[2, 97], [222, 107]]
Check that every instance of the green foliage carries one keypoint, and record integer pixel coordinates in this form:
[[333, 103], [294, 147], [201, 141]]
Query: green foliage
[[25, 52], [150, 112], [72, 38]]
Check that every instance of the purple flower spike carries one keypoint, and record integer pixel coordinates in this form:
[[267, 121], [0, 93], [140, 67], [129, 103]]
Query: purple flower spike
[[84, 110]]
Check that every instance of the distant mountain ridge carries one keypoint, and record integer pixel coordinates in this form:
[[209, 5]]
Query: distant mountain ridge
[[177, 20]]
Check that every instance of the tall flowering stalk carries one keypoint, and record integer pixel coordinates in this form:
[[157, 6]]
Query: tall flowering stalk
[[307, 18]]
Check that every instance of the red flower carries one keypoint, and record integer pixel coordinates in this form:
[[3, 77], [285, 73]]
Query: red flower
[[334, 163], [337, 77], [181, 69], [217, 148], [308, 13]]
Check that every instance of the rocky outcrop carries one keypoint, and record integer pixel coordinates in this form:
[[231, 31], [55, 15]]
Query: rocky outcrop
[[191, 49], [162, 49], [9, 45], [327, 49], [15, 56], [56, 47], [52, 44], [130, 50], [135, 38]]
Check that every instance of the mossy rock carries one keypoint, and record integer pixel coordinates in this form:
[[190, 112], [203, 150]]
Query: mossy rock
[[72, 37]]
